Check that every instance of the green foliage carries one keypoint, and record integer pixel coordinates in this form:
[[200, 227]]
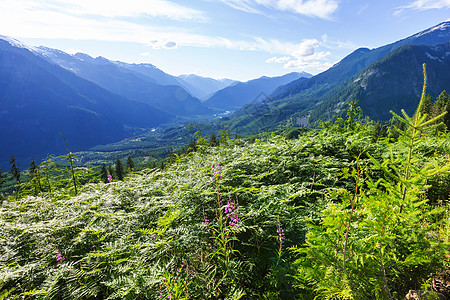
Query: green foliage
[[120, 173], [104, 174], [130, 164], [379, 240], [213, 142], [15, 171], [2, 182], [229, 222]]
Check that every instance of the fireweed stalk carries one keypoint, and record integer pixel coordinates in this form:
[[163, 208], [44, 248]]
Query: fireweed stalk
[[281, 237], [223, 230]]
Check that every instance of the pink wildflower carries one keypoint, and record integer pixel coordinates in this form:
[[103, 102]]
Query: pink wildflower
[[60, 258]]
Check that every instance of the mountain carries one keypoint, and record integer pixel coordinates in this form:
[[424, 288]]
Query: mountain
[[292, 104], [239, 94], [152, 72], [203, 87], [39, 99], [393, 82], [136, 82], [360, 59]]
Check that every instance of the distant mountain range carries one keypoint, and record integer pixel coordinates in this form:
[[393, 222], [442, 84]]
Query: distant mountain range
[[203, 87], [40, 99], [92, 101], [303, 102], [95, 101], [241, 93], [136, 82]]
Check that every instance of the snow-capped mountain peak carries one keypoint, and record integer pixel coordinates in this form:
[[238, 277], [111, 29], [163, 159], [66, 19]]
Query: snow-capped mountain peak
[[442, 28], [16, 43]]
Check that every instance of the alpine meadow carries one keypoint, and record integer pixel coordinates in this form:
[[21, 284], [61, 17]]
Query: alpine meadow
[[121, 181]]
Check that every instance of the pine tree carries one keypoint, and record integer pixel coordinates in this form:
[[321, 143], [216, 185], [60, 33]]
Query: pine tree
[[441, 106], [104, 174], [130, 164], [377, 131], [192, 146], [111, 171], [444, 105], [119, 169], [2, 178], [213, 142], [171, 156], [35, 177], [2, 181], [427, 104], [15, 171]]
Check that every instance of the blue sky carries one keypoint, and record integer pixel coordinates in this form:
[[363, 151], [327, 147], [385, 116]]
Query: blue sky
[[238, 39]]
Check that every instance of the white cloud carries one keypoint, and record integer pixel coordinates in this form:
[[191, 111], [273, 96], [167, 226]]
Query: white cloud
[[313, 8], [303, 56], [27, 19], [424, 5], [279, 60], [244, 5], [108, 8], [306, 48], [315, 61]]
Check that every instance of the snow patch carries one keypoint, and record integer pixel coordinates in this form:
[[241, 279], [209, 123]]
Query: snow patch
[[432, 57], [442, 27], [17, 43]]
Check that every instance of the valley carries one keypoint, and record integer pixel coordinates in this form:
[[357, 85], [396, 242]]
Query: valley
[[121, 181]]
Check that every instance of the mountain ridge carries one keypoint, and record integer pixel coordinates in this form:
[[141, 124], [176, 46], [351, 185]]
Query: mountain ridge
[[239, 94], [40, 99], [292, 105]]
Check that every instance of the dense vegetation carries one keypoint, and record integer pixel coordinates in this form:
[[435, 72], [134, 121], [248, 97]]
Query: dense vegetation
[[343, 212]]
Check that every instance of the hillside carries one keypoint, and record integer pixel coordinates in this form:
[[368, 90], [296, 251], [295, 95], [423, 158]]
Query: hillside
[[268, 219], [136, 82], [292, 104], [392, 83]]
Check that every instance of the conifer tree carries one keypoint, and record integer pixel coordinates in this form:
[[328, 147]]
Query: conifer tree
[[443, 105], [35, 177], [2, 181], [213, 142], [111, 171], [192, 146], [171, 156], [15, 171], [130, 164], [2, 178], [104, 174], [119, 169], [427, 104]]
